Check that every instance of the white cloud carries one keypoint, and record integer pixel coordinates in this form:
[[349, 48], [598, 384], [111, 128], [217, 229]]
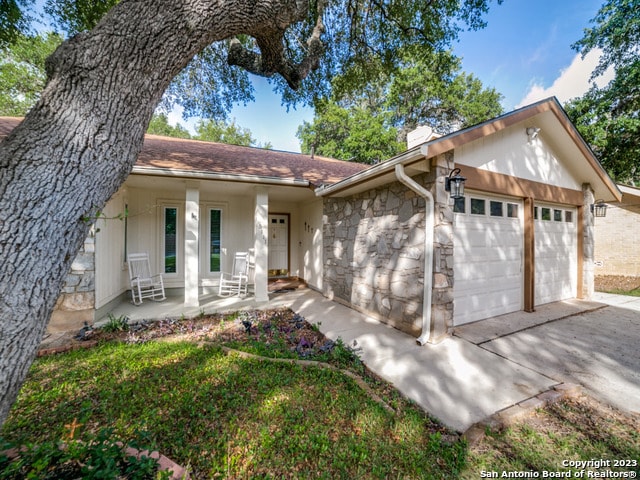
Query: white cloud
[[572, 82]]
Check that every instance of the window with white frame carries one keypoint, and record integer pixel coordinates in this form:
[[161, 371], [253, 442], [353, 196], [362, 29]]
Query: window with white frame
[[214, 239], [170, 239]]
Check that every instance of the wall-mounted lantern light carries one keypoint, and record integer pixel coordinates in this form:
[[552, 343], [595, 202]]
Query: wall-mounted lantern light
[[599, 208], [454, 184]]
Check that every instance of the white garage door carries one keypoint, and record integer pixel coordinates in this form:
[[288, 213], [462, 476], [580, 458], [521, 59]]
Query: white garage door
[[556, 253], [488, 258]]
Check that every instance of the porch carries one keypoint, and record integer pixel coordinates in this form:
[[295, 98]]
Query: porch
[[174, 306]]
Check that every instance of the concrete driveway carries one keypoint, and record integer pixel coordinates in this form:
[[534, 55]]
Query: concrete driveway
[[598, 348], [493, 364]]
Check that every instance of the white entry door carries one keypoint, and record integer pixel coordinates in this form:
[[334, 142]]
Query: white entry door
[[556, 253], [278, 245], [488, 258]]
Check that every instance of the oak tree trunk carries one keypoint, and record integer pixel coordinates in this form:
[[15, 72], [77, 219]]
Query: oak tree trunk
[[78, 144]]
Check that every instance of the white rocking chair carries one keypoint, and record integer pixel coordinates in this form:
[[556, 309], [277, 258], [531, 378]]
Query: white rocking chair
[[143, 284], [235, 283]]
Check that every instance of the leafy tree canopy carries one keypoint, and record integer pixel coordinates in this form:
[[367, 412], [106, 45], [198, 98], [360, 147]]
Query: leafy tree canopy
[[14, 19], [349, 133], [369, 122], [22, 73], [224, 132], [353, 32], [160, 125], [608, 117]]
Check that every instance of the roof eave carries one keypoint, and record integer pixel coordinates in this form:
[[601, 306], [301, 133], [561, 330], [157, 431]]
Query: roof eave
[[226, 177]]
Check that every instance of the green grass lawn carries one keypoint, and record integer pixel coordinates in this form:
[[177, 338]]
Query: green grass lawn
[[633, 293], [226, 416], [229, 417]]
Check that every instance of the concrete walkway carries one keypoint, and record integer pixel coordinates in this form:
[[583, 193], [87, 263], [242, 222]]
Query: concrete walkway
[[486, 366]]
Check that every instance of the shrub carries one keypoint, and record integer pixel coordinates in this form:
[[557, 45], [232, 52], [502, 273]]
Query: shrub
[[98, 457]]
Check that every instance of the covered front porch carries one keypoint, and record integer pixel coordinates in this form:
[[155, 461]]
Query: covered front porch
[[191, 230], [174, 306]]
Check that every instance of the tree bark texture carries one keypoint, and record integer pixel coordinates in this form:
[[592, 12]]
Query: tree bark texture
[[78, 144]]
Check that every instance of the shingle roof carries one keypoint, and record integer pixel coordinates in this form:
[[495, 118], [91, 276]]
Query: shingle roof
[[7, 124], [193, 155], [209, 157]]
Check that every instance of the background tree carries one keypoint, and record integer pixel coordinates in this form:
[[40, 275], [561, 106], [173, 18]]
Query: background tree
[[81, 139], [14, 19], [609, 117], [22, 75], [223, 132], [369, 122], [349, 133], [159, 125]]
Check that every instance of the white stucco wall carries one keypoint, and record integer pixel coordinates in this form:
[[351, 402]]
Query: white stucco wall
[[111, 270], [511, 153], [310, 238]]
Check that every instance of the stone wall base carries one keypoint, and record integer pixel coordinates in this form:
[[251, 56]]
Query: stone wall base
[[68, 321]]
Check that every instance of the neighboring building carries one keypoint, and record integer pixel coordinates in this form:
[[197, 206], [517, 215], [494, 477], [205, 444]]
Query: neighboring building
[[617, 235], [522, 236]]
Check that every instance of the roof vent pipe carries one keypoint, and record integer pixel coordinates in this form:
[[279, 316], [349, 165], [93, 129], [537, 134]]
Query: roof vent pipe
[[425, 336]]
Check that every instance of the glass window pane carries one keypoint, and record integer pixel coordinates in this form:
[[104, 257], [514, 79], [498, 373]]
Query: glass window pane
[[495, 208], [546, 213], [568, 217], [126, 231], [170, 230], [535, 212], [512, 210], [557, 215], [459, 205], [214, 240], [477, 206]]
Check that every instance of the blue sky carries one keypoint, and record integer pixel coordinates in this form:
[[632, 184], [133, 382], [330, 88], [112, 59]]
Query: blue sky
[[524, 53]]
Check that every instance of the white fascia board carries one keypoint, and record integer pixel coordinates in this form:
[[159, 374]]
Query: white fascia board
[[194, 174]]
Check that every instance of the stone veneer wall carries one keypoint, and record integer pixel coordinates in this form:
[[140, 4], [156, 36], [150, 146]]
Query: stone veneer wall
[[77, 299], [374, 254]]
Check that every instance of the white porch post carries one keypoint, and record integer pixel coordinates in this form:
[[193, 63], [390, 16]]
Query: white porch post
[[191, 230], [261, 244]]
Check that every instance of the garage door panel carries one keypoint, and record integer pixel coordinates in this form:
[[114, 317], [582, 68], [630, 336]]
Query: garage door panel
[[503, 282], [477, 308], [488, 261], [555, 257]]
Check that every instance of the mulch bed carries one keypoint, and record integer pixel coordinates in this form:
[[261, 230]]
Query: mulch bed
[[612, 283], [264, 325]]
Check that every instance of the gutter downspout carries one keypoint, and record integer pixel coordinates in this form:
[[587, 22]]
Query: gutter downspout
[[425, 336]]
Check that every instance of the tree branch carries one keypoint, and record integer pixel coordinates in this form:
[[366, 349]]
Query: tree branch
[[272, 57]]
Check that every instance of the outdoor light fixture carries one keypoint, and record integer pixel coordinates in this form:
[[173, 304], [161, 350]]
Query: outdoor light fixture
[[454, 184], [532, 132], [599, 208]]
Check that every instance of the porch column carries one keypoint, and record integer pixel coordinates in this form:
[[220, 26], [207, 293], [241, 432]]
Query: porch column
[[191, 229], [261, 244]]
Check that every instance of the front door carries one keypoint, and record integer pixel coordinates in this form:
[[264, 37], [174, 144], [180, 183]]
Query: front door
[[278, 245]]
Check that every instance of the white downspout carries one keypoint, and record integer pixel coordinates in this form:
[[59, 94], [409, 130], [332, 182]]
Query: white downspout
[[428, 251]]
